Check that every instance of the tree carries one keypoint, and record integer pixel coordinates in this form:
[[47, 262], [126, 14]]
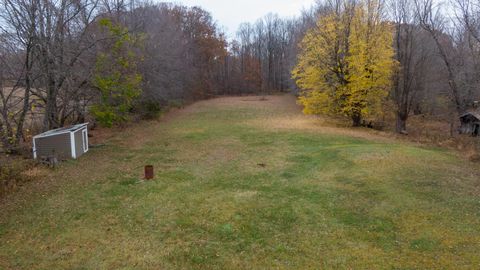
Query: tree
[[17, 45], [434, 22], [116, 76], [164, 68], [412, 53], [63, 39], [468, 28], [346, 63], [206, 49]]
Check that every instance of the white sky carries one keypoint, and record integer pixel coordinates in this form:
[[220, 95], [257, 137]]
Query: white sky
[[230, 14]]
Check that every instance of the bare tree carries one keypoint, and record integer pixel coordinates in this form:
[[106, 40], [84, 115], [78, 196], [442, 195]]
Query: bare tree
[[435, 23], [412, 53], [164, 68], [468, 14], [17, 24], [468, 35], [64, 36]]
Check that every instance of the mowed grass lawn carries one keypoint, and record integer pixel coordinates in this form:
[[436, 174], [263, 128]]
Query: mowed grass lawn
[[248, 184]]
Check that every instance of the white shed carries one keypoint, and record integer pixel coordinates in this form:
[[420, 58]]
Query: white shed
[[63, 143]]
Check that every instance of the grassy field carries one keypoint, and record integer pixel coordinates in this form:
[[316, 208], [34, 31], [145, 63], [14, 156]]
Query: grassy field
[[248, 184]]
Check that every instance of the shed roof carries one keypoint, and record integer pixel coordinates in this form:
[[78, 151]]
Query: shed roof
[[61, 130], [474, 113]]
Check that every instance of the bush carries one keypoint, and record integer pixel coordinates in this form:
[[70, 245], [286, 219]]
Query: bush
[[176, 103], [105, 116], [150, 109], [153, 109]]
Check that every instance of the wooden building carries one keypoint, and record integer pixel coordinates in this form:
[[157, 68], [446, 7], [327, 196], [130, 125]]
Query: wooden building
[[470, 123], [63, 143]]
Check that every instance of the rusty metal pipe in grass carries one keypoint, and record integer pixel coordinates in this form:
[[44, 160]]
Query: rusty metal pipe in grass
[[149, 173]]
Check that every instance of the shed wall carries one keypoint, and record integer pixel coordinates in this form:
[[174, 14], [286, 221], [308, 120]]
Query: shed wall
[[56, 145], [79, 142]]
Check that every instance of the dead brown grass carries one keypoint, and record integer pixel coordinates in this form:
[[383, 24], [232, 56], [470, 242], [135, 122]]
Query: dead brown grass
[[438, 132], [16, 172]]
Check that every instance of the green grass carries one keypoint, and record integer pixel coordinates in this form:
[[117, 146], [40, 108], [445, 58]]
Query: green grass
[[230, 194]]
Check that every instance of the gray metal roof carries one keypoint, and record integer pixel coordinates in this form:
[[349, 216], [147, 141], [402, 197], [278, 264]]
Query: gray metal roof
[[475, 113], [61, 130]]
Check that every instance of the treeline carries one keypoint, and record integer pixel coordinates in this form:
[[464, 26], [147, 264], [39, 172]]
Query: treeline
[[262, 56], [64, 62]]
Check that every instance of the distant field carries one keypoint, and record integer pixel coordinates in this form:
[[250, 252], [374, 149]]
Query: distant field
[[248, 184], [35, 116]]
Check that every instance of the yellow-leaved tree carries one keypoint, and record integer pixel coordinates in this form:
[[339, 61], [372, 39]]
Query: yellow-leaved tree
[[346, 62]]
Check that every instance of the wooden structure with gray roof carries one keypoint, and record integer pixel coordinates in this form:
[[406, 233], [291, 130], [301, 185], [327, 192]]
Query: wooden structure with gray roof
[[470, 123]]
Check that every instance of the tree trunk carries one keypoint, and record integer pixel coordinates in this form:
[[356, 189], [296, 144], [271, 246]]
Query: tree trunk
[[26, 97], [51, 113], [6, 145], [401, 126], [356, 119]]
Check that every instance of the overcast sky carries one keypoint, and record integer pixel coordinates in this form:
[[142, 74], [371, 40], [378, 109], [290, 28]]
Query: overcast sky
[[231, 14]]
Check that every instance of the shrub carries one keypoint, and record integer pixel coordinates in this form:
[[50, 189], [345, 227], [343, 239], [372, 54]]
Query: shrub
[[150, 109], [176, 103]]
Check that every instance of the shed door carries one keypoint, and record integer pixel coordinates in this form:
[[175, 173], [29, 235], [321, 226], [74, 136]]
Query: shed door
[[85, 140]]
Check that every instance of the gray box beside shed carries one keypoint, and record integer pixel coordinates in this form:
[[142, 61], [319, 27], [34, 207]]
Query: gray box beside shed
[[63, 143]]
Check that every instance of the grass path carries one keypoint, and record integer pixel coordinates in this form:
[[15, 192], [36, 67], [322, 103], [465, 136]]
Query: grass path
[[248, 184]]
